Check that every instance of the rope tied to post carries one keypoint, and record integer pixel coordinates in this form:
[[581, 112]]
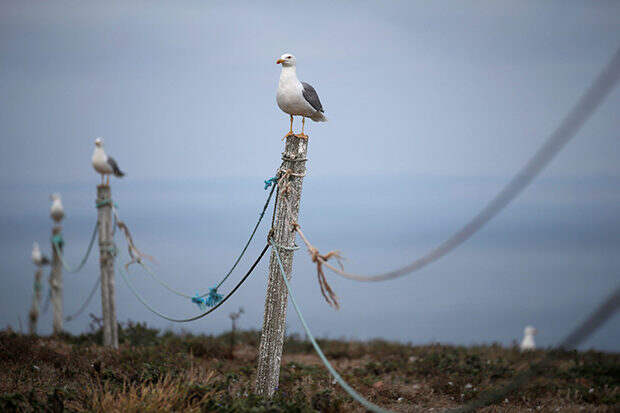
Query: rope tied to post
[[270, 181], [58, 241], [319, 259], [104, 202]]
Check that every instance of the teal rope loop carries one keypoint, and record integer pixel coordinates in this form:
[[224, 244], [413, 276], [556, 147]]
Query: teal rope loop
[[270, 181], [121, 270], [57, 240], [367, 404], [104, 202]]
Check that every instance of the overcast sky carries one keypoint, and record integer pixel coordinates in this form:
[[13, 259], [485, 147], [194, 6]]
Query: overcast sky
[[452, 97]]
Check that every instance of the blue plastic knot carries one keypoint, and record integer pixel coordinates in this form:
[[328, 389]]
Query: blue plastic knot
[[270, 181], [57, 240], [213, 298], [199, 301]]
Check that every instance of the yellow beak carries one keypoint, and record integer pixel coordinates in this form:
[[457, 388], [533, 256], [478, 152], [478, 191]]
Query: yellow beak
[[279, 61]]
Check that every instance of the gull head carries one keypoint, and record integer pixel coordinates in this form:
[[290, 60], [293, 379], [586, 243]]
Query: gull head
[[287, 60], [55, 196], [99, 142], [35, 246], [530, 331]]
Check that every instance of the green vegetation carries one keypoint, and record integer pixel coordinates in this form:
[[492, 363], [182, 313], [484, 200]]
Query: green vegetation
[[155, 371]]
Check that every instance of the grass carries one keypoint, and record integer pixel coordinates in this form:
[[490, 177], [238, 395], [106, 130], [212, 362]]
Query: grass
[[154, 371]]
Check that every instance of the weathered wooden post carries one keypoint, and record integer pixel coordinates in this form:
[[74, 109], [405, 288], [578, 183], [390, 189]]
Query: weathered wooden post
[[106, 261], [274, 319], [33, 315], [56, 278]]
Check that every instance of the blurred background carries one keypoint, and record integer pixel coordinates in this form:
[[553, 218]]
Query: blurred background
[[432, 107]]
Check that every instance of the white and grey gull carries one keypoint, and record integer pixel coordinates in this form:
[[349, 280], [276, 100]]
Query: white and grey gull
[[37, 256], [297, 98], [528, 342], [104, 164], [57, 212]]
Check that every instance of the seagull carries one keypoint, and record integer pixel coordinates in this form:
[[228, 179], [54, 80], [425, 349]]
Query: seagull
[[37, 257], [57, 212], [104, 164], [295, 97], [528, 339]]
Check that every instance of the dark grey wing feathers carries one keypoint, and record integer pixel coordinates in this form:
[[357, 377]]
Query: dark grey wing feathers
[[115, 168], [311, 97]]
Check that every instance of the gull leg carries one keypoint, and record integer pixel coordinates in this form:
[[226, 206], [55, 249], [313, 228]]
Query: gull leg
[[303, 123], [107, 180], [101, 179], [290, 132]]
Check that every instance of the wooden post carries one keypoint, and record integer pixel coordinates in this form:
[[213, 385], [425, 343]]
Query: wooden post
[[56, 281], [106, 262], [36, 301], [274, 319]]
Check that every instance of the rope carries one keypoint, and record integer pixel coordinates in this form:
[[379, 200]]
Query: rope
[[85, 304], [567, 129], [58, 242], [212, 297], [260, 218], [367, 404], [185, 320], [604, 311]]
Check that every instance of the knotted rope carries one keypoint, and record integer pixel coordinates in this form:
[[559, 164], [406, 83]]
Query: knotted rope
[[319, 260]]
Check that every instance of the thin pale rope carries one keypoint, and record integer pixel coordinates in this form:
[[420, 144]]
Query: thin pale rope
[[364, 402], [182, 294], [572, 123], [603, 313], [85, 304], [76, 269], [185, 320]]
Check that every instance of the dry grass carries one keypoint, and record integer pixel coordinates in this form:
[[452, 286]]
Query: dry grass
[[166, 372]]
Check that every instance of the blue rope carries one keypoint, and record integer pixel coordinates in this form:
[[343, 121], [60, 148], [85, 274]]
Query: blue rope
[[57, 240], [367, 404], [105, 202], [270, 181], [213, 298], [200, 302]]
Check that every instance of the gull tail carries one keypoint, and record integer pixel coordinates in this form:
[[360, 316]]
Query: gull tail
[[318, 117]]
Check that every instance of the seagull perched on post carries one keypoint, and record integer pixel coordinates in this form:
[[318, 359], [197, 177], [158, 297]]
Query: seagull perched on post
[[297, 98], [528, 342], [37, 256], [57, 212], [105, 164]]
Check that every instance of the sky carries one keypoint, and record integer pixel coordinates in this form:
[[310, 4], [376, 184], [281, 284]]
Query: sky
[[432, 107]]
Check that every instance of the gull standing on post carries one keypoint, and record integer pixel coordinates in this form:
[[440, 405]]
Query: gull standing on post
[[37, 256], [297, 98], [104, 164], [57, 212]]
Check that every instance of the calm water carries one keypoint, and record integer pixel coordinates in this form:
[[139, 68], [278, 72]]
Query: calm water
[[546, 261]]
